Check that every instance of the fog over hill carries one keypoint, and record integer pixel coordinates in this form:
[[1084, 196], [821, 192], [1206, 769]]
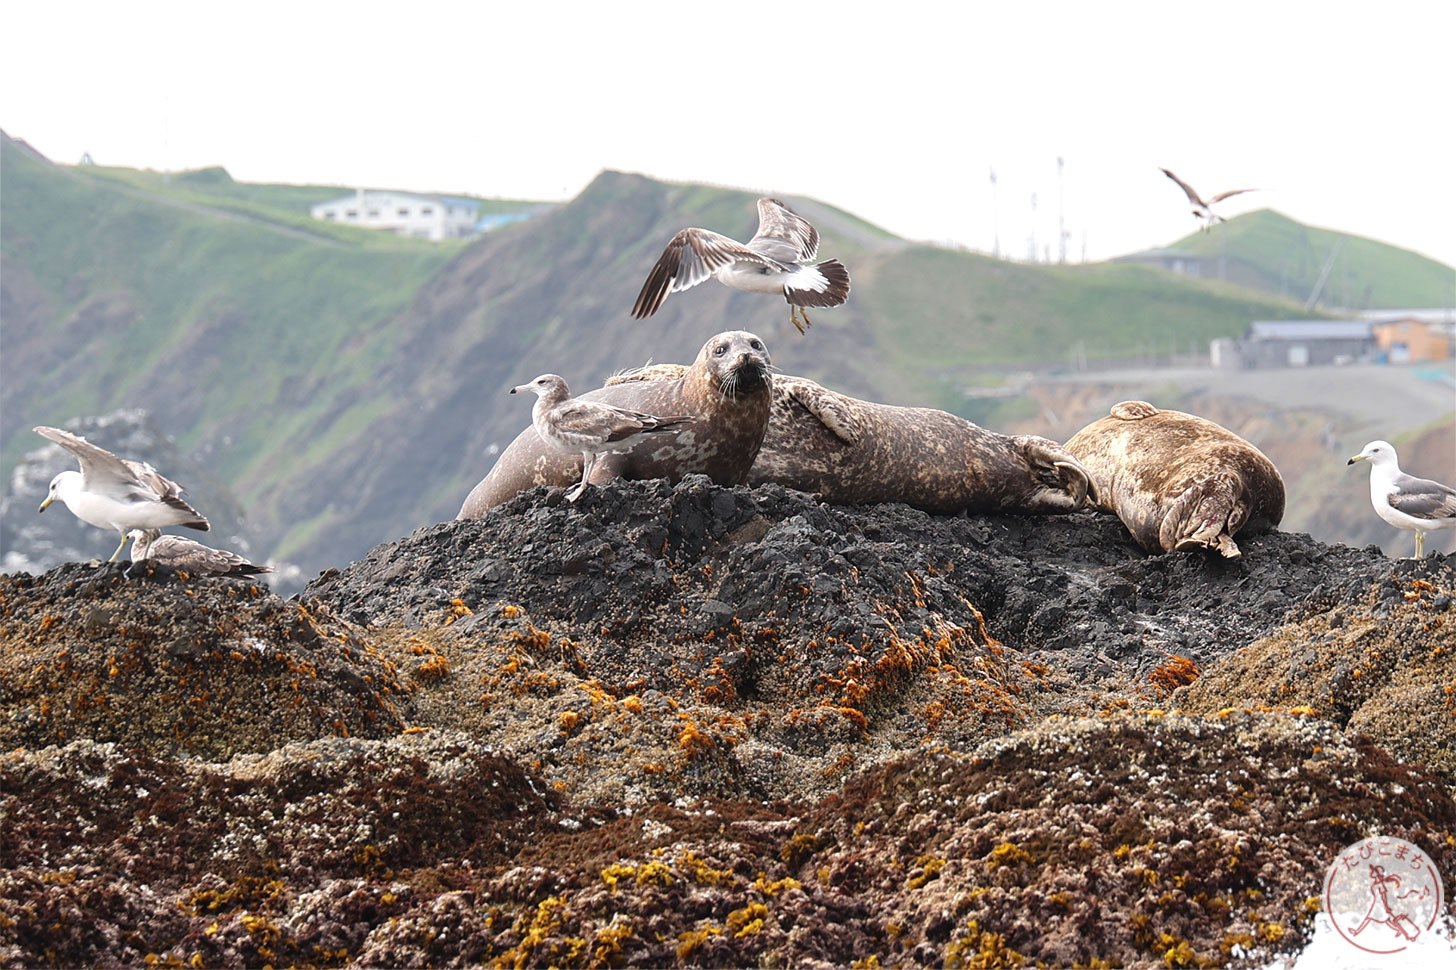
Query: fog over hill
[[350, 386]]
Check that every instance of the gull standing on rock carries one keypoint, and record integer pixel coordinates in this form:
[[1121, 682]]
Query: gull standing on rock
[[778, 259], [592, 428], [1417, 505], [117, 493], [1204, 210], [185, 554]]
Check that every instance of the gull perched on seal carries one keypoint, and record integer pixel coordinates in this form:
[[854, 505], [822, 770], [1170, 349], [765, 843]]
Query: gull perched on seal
[[1204, 210], [1417, 505], [117, 493], [194, 557], [778, 259], [593, 428]]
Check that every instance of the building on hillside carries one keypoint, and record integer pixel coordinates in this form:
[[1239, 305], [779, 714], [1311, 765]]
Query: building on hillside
[[1414, 336], [1297, 343], [405, 214], [1177, 261]]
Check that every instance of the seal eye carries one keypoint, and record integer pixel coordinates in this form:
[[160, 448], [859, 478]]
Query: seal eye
[[720, 350], [755, 344]]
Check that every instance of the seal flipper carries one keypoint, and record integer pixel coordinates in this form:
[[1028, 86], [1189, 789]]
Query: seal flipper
[[830, 408], [1133, 410], [1067, 485], [1205, 516]]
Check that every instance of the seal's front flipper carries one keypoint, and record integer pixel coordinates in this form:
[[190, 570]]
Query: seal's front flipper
[[1066, 485]]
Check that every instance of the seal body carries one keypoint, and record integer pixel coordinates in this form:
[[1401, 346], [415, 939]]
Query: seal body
[[1178, 481], [727, 394], [853, 452]]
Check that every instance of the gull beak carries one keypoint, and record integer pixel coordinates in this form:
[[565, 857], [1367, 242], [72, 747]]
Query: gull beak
[[46, 504], [1355, 459]]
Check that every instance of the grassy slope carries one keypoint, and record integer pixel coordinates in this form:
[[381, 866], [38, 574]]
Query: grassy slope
[[1272, 252], [255, 311]]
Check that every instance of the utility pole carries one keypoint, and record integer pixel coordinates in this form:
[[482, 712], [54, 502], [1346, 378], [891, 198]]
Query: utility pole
[[1031, 241], [995, 219], [1061, 214]]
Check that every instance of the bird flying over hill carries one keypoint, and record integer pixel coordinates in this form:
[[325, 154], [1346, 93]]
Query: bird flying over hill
[[591, 428], [117, 493], [778, 259], [1201, 209], [1417, 505]]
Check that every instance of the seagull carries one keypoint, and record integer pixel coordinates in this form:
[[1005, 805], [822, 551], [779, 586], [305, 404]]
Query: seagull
[[1204, 210], [593, 428], [1417, 505], [778, 259], [117, 493], [180, 553]]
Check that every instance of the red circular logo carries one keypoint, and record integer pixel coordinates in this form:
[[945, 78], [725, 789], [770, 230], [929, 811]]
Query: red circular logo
[[1382, 894]]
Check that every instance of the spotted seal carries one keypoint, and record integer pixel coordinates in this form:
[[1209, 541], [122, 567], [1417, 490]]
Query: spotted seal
[[727, 392], [1178, 481], [853, 452]]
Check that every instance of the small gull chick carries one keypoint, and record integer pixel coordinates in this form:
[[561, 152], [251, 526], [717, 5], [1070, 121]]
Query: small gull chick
[[1417, 505], [117, 493], [185, 554], [778, 259], [1204, 210], [592, 428]]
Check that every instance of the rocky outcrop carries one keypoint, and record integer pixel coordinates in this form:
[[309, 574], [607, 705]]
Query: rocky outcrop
[[703, 726]]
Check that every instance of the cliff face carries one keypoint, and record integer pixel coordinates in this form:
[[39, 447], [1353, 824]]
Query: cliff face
[[718, 726]]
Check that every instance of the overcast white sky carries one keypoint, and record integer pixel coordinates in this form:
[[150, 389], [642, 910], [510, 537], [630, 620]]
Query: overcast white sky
[[1340, 112]]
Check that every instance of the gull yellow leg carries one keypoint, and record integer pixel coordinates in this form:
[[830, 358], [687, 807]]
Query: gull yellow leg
[[1420, 544]]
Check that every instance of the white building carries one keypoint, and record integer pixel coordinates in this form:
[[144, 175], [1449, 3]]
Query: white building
[[426, 216]]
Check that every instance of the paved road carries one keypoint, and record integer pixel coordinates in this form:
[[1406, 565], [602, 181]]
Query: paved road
[[1378, 399]]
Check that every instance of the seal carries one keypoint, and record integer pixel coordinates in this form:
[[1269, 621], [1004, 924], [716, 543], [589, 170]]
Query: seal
[[727, 394], [1178, 481], [852, 452]]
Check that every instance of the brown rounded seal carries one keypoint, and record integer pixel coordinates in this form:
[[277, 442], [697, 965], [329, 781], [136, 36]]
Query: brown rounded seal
[[1178, 481], [853, 452], [727, 392]]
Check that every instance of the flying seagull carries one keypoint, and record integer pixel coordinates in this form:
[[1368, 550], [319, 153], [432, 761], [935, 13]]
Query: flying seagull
[[1204, 210], [194, 557], [1417, 505], [592, 428], [778, 259], [117, 493]]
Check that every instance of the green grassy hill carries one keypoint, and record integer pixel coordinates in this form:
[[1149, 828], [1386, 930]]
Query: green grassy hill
[[1267, 251], [351, 384]]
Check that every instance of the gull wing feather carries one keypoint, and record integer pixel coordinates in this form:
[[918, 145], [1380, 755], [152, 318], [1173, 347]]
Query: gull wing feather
[[1187, 189], [1423, 498], [180, 553], [783, 235], [1231, 192], [100, 469], [691, 257]]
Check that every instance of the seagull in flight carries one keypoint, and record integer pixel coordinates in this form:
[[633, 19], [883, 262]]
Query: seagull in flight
[[117, 493], [778, 259], [1204, 210], [1417, 505], [590, 428]]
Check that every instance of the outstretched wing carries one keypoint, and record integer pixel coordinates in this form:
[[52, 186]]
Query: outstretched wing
[[691, 257], [1187, 189], [100, 469], [1423, 498], [1231, 192], [783, 235]]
